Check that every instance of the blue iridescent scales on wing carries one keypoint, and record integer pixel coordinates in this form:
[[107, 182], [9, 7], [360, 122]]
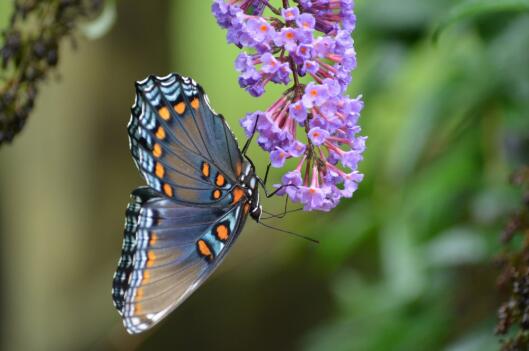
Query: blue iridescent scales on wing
[[200, 191]]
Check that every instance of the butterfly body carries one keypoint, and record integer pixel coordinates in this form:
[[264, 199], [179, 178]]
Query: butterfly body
[[200, 191]]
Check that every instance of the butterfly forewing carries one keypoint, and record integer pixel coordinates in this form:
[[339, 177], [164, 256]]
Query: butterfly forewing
[[183, 149]]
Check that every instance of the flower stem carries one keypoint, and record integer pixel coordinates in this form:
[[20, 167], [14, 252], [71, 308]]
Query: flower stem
[[272, 8], [294, 69]]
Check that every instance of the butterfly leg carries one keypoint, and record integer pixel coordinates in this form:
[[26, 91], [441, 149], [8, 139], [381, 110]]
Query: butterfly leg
[[266, 174], [282, 214], [263, 183], [247, 144], [269, 195]]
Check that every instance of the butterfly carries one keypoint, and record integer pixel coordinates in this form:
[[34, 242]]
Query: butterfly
[[200, 190]]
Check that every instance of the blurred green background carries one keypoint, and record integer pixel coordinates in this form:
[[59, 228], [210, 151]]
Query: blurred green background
[[405, 265]]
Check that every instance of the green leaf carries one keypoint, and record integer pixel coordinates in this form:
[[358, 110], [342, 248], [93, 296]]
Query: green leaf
[[5, 12], [456, 246], [473, 8]]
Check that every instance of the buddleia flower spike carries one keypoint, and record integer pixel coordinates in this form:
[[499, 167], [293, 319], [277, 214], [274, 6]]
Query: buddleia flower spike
[[314, 122]]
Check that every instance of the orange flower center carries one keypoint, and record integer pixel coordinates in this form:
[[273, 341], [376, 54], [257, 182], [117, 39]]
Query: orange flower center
[[314, 92], [264, 28]]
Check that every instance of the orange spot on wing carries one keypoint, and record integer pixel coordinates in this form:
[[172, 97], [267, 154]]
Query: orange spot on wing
[[205, 169], [246, 208], [160, 171], [238, 169], [137, 308], [220, 180], [146, 276], [160, 133], [216, 194], [151, 257], [154, 239], [237, 193], [180, 108], [157, 150], [168, 190], [195, 103], [204, 250], [164, 113], [222, 232], [139, 293]]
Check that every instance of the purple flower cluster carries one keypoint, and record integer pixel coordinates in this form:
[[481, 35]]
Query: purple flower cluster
[[311, 40]]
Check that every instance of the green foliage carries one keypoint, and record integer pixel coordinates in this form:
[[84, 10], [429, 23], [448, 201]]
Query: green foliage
[[472, 8], [440, 120], [5, 13], [30, 51]]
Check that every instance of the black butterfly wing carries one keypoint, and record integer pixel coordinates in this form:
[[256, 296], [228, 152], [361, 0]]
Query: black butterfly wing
[[168, 251], [180, 145]]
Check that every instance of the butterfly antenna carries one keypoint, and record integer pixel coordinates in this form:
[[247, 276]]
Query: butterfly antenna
[[279, 215], [291, 233]]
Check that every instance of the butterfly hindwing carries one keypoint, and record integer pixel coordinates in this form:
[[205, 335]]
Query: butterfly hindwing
[[168, 251], [181, 146]]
